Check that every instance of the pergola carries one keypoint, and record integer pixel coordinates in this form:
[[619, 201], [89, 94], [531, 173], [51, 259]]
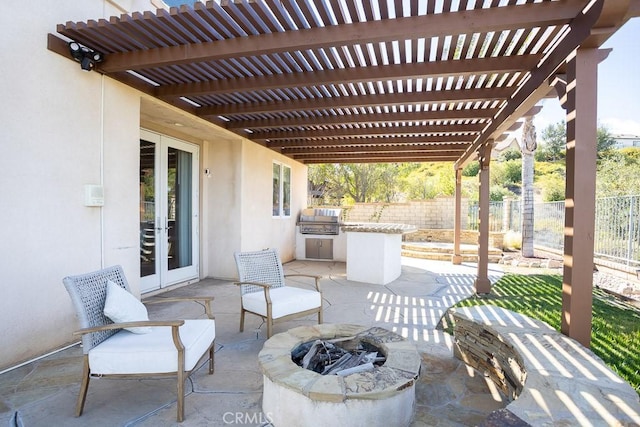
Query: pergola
[[340, 81]]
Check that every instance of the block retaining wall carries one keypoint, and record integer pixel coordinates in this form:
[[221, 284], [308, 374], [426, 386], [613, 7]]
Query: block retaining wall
[[435, 213], [433, 218]]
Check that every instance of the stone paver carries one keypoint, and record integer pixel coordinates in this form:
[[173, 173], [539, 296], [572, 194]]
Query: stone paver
[[566, 384], [447, 392]]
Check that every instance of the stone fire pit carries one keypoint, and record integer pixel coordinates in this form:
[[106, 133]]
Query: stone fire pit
[[383, 396]]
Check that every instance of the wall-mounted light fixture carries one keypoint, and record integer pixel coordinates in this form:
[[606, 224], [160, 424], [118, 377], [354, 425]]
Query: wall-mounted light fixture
[[85, 56]]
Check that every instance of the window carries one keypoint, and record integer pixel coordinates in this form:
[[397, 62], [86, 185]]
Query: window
[[281, 190]]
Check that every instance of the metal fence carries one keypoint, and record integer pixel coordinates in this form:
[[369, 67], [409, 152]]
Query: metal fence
[[548, 224], [617, 225], [617, 231], [496, 212], [503, 215]]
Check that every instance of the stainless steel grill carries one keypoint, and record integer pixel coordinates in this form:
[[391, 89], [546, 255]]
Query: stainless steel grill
[[320, 221]]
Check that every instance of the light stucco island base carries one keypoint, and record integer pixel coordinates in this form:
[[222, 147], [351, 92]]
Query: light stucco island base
[[374, 251]]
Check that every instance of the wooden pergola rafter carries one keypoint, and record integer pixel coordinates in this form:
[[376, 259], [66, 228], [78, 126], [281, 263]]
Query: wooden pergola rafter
[[418, 117], [283, 68], [343, 76], [323, 81]]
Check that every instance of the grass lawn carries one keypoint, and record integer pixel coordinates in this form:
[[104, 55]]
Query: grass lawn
[[615, 333]]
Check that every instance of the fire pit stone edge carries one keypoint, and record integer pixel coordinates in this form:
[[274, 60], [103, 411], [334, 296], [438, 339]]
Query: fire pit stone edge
[[385, 384]]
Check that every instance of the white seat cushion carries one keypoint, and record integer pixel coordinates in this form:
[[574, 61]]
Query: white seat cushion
[[285, 300], [128, 353]]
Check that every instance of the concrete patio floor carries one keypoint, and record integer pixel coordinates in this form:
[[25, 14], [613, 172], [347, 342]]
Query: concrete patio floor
[[44, 392]]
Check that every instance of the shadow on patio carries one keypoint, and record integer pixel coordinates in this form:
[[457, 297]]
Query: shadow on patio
[[448, 393]]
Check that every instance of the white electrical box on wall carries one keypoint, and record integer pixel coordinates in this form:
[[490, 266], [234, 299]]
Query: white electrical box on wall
[[93, 195]]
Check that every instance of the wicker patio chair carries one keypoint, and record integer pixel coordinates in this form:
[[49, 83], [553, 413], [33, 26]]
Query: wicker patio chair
[[265, 294], [168, 348]]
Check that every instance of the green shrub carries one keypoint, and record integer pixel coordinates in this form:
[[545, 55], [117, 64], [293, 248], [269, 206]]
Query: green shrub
[[548, 168], [553, 188], [512, 240], [513, 171], [497, 193], [471, 169], [510, 154]]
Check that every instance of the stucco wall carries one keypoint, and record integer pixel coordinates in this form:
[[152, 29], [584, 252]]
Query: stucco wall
[[261, 231], [222, 204], [64, 128], [61, 129], [237, 203]]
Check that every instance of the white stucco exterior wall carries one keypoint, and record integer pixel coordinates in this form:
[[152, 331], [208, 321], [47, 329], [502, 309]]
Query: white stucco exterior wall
[[222, 203], [63, 128], [259, 229]]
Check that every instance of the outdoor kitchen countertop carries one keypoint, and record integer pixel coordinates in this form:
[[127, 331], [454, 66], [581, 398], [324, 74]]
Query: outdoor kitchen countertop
[[376, 227]]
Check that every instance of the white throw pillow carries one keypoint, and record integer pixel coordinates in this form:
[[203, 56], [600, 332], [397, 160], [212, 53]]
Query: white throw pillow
[[120, 306]]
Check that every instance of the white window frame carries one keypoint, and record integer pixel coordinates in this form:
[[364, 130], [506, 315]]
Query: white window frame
[[283, 188]]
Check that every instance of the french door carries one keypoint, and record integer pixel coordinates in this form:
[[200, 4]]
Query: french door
[[168, 211]]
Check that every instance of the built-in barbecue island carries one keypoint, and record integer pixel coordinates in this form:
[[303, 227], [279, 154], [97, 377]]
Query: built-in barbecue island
[[372, 251]]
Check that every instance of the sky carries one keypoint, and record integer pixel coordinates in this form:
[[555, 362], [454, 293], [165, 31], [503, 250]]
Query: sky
[[618, 84]]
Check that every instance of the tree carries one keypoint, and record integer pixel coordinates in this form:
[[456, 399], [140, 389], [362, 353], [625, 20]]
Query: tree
[[554, 142], [605, 141], [418, 185], [506, 173], [388, 187], [359, 180], [369, 182], [429, 180], [326, 179], [619, 173], [527, 147], [512, 172]]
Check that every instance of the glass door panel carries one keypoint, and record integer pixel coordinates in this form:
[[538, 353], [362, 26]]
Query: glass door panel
[[180, 210], [168, 211], [148, 259]]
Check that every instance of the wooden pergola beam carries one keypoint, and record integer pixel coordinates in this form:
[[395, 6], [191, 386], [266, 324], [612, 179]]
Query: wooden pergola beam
[[347, 119], [513, 17], [424, 70], [366, 131], [449, 149], [376, 158], [537, 86], [432, 140], [364, 101]]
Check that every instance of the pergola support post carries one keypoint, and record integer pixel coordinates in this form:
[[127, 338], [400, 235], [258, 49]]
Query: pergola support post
[[457, 219], [482, 283], [581, 106]]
